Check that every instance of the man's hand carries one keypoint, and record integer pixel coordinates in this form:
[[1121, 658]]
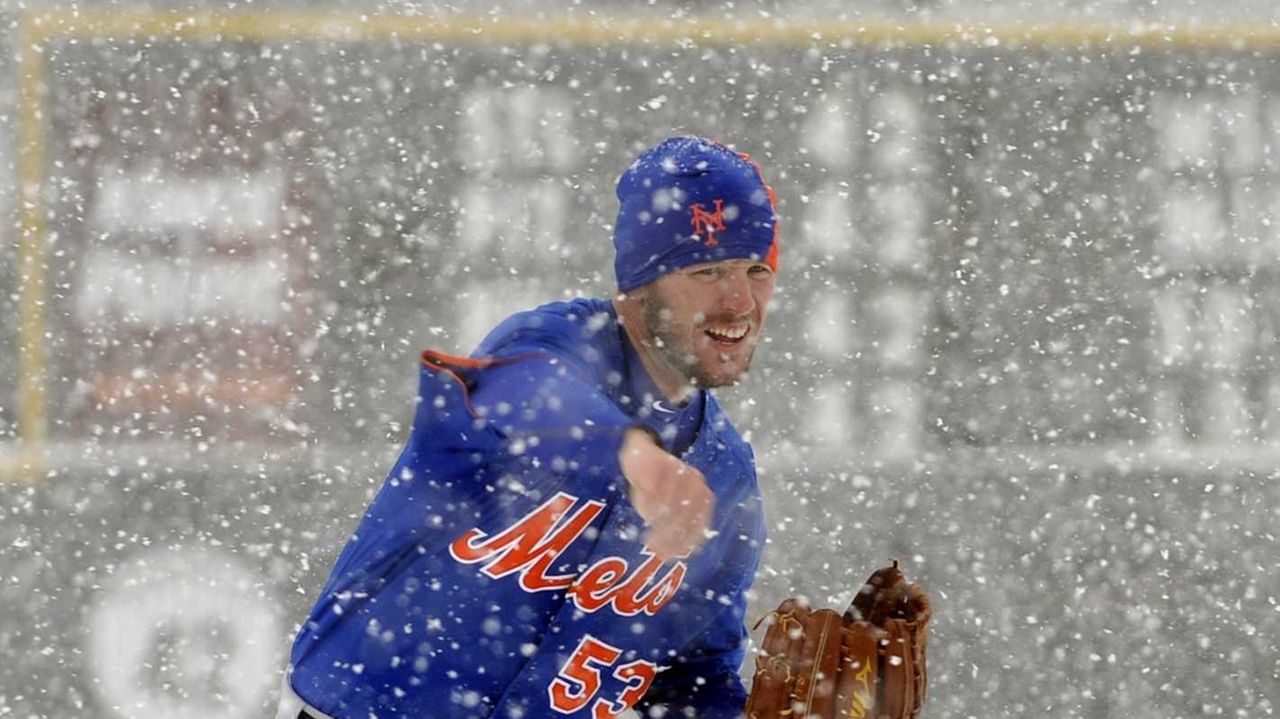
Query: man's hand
[[670, 495]]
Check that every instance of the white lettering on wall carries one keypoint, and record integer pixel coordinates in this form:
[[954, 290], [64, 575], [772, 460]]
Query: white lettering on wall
[[158, 292], [223, 205], [221, 266]]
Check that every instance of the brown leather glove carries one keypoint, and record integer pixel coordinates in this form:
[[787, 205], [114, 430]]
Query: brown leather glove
[[867, 664]]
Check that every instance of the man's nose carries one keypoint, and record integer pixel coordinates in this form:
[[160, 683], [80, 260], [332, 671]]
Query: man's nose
[[737, 297]]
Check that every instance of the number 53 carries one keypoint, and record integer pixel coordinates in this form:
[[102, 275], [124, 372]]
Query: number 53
[[579, 680]]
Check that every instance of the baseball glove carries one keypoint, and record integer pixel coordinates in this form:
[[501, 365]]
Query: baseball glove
[[867, 664]]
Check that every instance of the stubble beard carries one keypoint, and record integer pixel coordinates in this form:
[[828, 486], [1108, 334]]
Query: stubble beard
[[679, 353]]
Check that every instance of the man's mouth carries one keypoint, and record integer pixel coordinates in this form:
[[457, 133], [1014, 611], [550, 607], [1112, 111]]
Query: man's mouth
[[727, 335]]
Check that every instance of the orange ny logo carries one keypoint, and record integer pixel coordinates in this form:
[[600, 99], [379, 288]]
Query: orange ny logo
[[706, 224]]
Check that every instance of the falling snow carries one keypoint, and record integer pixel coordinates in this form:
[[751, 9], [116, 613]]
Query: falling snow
[[1025, 336]]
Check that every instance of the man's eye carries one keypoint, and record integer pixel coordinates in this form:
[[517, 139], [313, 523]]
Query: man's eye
[[760, 270], [705, 273]]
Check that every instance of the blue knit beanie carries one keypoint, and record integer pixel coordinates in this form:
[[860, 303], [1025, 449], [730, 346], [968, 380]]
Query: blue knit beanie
[[690, 200]]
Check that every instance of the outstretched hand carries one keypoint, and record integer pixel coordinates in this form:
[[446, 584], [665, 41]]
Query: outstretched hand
[[670, 495]]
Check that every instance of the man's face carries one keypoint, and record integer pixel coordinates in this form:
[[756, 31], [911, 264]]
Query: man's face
[[705, 320]]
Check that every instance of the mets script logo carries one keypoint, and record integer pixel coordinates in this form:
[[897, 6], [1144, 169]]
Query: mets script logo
[[707, 224], [531, 546]]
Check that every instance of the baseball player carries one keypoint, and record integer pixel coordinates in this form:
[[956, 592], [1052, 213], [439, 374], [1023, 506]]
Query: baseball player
[[574, 522]]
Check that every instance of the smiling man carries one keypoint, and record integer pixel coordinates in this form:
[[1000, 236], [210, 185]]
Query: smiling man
[[698, 327], [574, 523]]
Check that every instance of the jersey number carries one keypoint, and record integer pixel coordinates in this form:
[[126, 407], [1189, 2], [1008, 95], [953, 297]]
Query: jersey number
[[579, 680]]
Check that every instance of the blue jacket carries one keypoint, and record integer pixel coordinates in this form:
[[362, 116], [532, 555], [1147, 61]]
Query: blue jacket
[[500, 571]]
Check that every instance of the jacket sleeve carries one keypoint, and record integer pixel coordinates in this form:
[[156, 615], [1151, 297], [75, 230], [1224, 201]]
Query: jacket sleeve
[[547, 412]]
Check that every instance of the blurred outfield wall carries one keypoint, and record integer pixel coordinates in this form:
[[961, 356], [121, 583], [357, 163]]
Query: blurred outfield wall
[[1025, 335]]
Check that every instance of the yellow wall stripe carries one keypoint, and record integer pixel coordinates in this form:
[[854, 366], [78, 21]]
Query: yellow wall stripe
[[32, 370], [279, 25]]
